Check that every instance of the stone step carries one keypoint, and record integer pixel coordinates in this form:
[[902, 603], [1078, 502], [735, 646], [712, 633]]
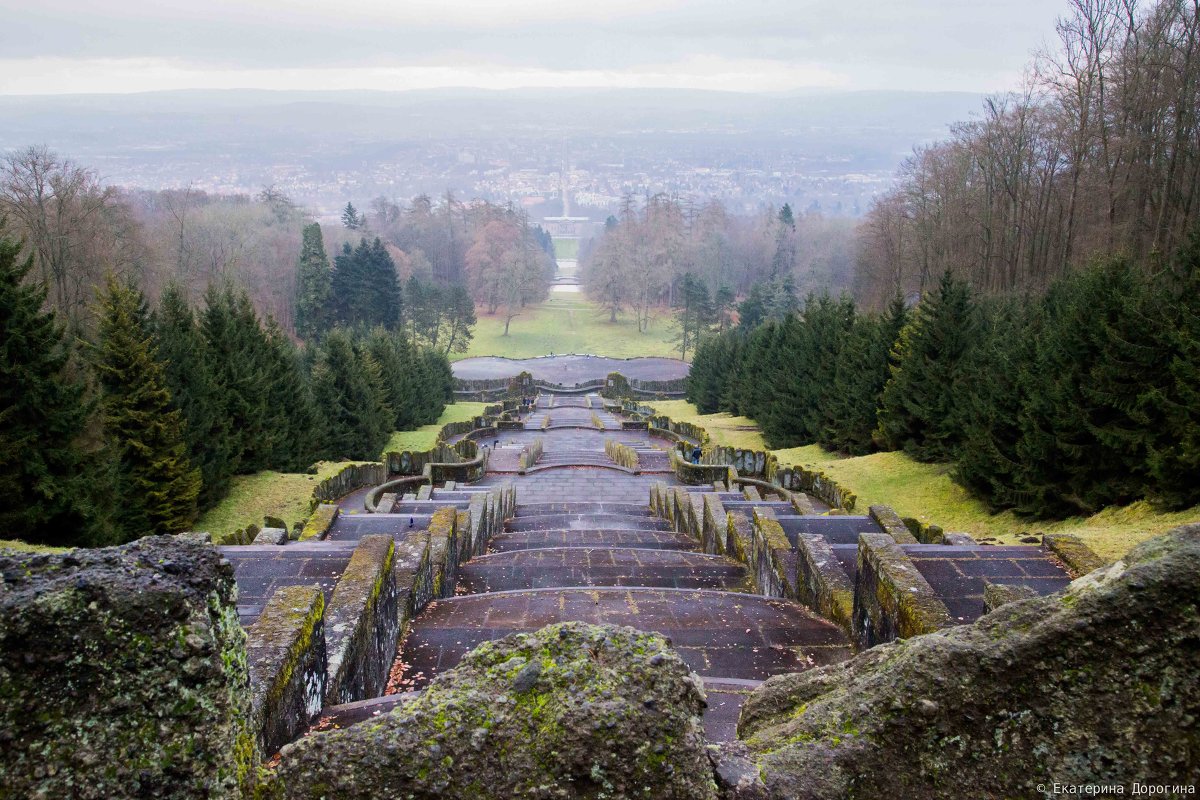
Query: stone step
[[427, 506], [719, 634], [837, 529], [958, 574], [602, 566], [351, 527], [261, 569], [597, 507], [645, 539], [587, 521]]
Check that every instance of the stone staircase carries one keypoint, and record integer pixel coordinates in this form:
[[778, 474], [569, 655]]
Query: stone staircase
[[611, 561]]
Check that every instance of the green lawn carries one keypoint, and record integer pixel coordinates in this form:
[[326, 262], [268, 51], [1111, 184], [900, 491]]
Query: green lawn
[[566, 249], [425, 437], [926, 492], [570, 324], [277, 494], [287, 495]]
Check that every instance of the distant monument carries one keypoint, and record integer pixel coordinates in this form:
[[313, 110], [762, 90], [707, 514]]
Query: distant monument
[[566, 226]]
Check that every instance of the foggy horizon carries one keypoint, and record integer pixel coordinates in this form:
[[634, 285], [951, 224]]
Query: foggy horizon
[[71, 47]]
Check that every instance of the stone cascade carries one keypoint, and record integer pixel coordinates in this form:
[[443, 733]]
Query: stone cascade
[[867, 572], [323, 615], [583, 546]]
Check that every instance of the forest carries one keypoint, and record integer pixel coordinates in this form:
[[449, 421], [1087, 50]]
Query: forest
[[1098, 152], [1026, 300]]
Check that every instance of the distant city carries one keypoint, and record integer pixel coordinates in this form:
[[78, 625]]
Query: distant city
[[831, 153]]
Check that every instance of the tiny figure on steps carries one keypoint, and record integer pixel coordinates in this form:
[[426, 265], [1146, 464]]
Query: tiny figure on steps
[[695, 455]]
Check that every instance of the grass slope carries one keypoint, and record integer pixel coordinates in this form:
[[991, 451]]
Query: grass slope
[[287, 495], [568, 323], [926, 492], [26, 547], [277, 494], [425, 437]]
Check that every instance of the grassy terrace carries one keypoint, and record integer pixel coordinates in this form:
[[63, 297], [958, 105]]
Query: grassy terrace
[[287, 495], [925, 491], [567, 323]]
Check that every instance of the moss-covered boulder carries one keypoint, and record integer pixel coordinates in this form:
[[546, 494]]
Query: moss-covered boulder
[[571, 711], [122, 674], [1099, 684]]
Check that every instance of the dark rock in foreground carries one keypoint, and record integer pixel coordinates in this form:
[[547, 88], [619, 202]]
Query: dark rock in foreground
[[122, 674], [1099, 684], [572, 710]]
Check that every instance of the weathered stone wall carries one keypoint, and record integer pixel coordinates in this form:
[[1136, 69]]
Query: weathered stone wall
[[570, 711], [891, 598], [1096, 686], [286, 651], [123, 674], [362, 623], [822, 584]]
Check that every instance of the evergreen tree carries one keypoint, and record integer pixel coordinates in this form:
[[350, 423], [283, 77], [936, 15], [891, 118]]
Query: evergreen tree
[[918, 409], [1173, 459], [385, 306], [695, 314], [862, 370], [351, 219], [236, 347], [349, 392], [997, 371], [44, 412], [314, 282], [292, 423], [188, 371], [156, 487], [1082, 446]]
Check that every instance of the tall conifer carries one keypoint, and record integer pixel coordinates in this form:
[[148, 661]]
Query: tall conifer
[[44, 412], [156, 484]]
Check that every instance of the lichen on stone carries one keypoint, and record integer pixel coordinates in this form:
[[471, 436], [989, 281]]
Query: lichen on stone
[[572, 710]]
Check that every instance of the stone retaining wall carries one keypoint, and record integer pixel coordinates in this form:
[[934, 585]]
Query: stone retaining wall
[[892, 600], [361, 622], [285, 649]]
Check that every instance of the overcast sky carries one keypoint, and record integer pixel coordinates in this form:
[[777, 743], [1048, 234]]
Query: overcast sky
[[61, 46]]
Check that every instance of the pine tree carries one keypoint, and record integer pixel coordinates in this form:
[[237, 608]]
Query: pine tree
[[187, 366], [157, 487], [1082, 445], [351, 219], [293, 424], [385, 307], [44, 413], [918, 408], [313, 285]]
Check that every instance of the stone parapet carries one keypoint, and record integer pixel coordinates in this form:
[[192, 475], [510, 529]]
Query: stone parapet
[[891, 598], [361, 623], [821, 583]]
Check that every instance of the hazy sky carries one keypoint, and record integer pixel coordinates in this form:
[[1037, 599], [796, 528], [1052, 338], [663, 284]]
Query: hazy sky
[[56, 46]]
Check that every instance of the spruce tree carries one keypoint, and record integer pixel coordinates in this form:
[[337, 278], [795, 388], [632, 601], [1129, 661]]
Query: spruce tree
[[991, 399], [348, 391], [1173, 458], [918, 408], [313, 285], [157, 487], [44, 413], [292, 424], [188, 369], [1082, 445], [236, 347]]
